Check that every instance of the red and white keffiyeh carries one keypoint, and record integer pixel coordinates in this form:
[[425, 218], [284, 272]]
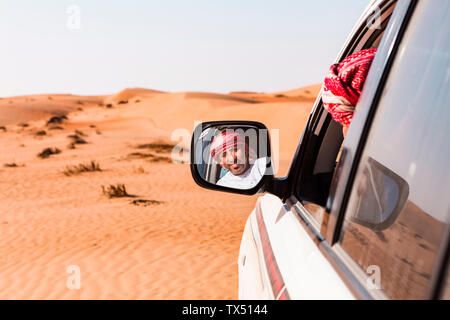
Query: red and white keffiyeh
[[225, 141], [343, 85]]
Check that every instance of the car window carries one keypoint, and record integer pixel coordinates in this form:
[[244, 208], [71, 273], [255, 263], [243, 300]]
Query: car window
[[399, 204], [330, 133]]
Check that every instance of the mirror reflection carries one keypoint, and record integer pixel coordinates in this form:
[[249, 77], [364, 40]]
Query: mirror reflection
[[233, 157]]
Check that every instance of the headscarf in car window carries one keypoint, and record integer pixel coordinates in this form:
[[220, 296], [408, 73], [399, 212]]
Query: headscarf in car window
[[343, 85]]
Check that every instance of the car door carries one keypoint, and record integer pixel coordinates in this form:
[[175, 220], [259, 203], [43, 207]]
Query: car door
[[280, 256]]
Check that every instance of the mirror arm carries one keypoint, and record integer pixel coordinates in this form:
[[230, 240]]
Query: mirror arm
[[278, 187]]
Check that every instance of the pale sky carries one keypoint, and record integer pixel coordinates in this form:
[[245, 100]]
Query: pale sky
[[170, 45]]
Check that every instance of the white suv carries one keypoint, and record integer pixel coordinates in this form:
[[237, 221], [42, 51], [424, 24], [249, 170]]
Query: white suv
[[366, 217]]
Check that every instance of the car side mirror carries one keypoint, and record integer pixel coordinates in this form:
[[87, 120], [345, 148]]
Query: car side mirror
[[232, 156], [379, 198]]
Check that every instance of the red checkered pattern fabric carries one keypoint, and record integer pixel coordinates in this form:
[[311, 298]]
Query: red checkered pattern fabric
[[225, 141], [343, 85]]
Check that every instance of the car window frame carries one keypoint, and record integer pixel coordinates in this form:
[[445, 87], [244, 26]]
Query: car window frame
[[356, 138], [319, 119]]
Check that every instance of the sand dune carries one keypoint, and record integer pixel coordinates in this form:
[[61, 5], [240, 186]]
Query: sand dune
[[309, 92], [180, 244], [132, 93], [216, 96], [26, 108], [304, 94]]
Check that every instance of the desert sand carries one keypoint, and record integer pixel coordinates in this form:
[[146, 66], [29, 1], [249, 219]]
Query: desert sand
[[170, 239]]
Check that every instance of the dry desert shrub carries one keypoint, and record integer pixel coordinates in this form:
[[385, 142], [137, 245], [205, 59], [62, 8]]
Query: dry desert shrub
[[149, 156], [145, 203], [115, 191], [157, 147], [47, 152], [3, 128], [13, 165], [163, 147], [56, 120], [56, 128], [80, 133], [10, 165], [76, 139], [140, 155], [82, 167], [161, 159], [41, 133]]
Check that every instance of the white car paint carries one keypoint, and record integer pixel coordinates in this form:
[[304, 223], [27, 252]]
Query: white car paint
[[307, 274]]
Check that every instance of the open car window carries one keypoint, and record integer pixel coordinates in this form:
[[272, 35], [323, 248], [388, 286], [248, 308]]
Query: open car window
[[328, 134]]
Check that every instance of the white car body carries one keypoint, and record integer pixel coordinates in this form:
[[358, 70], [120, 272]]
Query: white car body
[[306, 271]]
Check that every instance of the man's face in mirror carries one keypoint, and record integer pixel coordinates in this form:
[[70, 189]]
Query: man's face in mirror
[[235, 160]]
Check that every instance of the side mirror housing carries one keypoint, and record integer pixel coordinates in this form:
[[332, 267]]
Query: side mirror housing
[[379, 198], [232, 156]]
